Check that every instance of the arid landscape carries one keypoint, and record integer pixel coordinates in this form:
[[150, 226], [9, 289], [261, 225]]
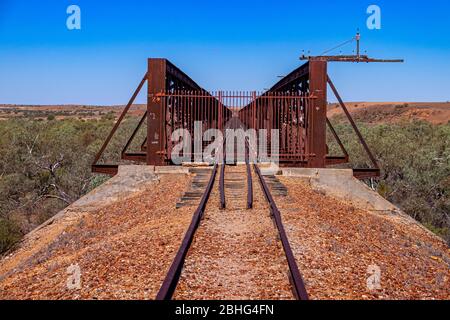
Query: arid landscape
[[48, 151], [394, 112], [8, 111], [369, 112], [317, 169]]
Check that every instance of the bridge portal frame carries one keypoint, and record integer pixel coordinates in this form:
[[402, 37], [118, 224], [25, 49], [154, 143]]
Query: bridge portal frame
[[163, 77]]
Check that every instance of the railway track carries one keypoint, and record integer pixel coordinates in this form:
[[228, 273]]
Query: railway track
[[231, 183], [294, 273], [236, 233], [170, 282]]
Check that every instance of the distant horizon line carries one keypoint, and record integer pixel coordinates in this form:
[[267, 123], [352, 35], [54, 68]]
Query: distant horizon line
[[2, 105]]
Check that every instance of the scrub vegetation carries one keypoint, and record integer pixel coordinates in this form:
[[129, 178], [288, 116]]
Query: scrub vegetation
[[45, 166]]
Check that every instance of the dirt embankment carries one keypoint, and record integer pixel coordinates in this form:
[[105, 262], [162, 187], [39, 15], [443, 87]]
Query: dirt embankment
[[121, 251], [347, 253]]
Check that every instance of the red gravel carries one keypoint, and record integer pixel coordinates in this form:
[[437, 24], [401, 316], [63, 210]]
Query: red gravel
[[335, 244], [124, 250]]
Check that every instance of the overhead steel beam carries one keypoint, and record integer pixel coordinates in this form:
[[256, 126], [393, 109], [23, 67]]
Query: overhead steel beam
[[287, 82], [349, 58]]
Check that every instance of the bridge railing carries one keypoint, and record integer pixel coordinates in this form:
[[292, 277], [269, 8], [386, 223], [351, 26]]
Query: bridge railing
[[174, 101], [285, 114], [187, 116]]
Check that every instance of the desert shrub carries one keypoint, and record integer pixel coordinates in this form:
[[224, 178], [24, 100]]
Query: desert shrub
[[109, 116], [45, 166]]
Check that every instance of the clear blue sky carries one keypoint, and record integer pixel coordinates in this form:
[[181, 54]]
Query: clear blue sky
[[235, 45]]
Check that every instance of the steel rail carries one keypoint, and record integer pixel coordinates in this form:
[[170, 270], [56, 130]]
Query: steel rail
[[223, 204], [170, 283], [249, 178], [222, 187], [295, 276], [249, 187]]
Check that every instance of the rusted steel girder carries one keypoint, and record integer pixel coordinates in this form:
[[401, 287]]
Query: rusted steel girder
[[156, 82], [175, 101], [193, 113], [296, 106], [302, 124], [312, 79], [163, 76], [316, 131], [286, 112]]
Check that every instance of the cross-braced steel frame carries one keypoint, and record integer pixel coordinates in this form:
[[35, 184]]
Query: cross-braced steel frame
[[296, 106]]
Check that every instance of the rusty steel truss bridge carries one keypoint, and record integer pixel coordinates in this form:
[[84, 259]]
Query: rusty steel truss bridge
[[296, 106]]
